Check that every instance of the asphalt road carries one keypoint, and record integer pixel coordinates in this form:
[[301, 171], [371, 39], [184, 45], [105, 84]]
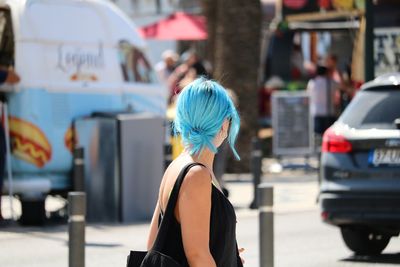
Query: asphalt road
[[301, 240]]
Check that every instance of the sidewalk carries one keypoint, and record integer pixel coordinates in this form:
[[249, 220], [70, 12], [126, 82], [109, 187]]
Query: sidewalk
[[108, 245], [294, 189]]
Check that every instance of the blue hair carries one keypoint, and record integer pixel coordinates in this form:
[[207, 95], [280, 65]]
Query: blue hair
[[201, 109]]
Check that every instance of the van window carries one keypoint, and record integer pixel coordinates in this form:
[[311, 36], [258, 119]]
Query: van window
[[134, 65]]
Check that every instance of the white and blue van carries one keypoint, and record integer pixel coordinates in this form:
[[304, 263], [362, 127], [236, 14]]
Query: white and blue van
[[74, 57]]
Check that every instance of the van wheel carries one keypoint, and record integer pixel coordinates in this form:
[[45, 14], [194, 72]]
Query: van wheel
[[33, 212], [364, 241]]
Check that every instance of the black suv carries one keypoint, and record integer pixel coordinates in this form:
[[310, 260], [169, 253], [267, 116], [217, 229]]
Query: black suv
[[360, 168]]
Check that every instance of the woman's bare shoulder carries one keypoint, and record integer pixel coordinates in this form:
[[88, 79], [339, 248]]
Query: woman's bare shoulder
[[198, 177]]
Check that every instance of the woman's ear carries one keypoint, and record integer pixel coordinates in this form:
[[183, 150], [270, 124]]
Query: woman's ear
[[225, 127]]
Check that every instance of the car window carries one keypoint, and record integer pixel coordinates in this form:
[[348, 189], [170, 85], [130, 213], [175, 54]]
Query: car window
[[373, 109]]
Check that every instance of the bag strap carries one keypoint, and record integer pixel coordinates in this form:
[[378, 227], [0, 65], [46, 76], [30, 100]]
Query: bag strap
[[169, 210]]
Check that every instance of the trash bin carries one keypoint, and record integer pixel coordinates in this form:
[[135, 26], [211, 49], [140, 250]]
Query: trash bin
[[124, 163]]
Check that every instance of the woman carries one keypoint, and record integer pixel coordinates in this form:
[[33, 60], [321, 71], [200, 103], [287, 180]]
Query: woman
[[204, 229], [322, 90]]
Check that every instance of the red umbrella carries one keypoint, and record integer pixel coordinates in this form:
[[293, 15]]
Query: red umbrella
[[178, 26]]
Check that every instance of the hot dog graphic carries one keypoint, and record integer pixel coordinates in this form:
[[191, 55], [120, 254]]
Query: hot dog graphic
[[29, 143], [70, 139]]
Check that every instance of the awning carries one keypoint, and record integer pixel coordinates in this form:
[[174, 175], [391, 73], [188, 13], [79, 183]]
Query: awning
[[178, 26], [331, 20]]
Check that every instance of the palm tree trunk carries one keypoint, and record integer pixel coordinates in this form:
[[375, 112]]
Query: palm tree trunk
[[209, 8], [235, 35]]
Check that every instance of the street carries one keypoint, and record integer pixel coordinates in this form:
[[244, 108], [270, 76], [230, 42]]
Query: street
[[301, 239]]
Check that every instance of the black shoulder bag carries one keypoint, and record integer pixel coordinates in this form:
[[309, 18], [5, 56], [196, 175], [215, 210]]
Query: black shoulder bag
[[155, 257]]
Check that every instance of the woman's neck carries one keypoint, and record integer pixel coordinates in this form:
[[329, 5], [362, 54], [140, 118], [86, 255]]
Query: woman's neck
[[206, 157]]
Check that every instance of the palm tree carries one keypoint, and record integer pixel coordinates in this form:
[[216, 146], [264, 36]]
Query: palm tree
[[210, 12], [234, 49]]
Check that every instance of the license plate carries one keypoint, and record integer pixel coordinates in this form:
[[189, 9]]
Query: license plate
[[385, 156]]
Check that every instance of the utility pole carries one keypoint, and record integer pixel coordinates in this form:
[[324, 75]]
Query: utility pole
[[369, 41]]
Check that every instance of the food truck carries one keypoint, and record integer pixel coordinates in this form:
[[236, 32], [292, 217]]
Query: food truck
[[74, 58]]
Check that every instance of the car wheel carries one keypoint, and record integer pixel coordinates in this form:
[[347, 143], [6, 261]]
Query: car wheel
[[364, 241]]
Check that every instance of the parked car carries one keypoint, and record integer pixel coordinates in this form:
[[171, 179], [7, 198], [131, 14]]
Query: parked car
[[360, 168]]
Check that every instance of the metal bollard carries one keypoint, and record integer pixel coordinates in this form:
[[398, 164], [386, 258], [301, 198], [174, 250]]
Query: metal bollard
[[78, 183], [76, 228], [255, 164], [167, 155], [266, 225]]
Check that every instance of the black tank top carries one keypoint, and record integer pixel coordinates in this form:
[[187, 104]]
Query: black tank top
[[223, 244]]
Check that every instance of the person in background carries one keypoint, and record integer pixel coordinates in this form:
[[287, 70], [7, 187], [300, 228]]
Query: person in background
[[296, 63], [346, 86], [167, 66], [191, 68], [332, 69], [7, 76], [192, 60], [347, 89], [322, 90]]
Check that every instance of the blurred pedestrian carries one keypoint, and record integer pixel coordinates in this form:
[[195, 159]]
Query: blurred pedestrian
[[296, 63], [347, 89], [7, 76], [204, 222], [192, 60], [346, 86], [322, 90], [332, 68], [167, 66], [190, 68]]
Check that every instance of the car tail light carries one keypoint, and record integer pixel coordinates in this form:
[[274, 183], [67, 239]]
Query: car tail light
[[324, 215], [335, 143]]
